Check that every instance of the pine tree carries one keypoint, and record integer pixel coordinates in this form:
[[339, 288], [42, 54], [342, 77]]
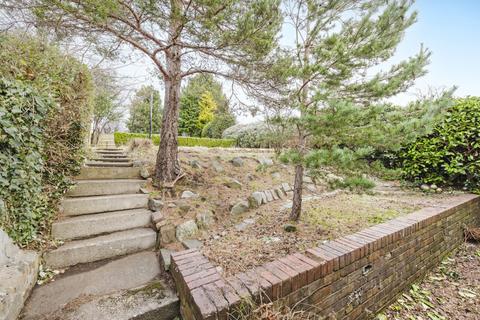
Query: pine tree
[[331, 65]]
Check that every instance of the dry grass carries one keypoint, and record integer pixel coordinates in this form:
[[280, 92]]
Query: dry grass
[[250, 310], [140, 143], [472, 234]]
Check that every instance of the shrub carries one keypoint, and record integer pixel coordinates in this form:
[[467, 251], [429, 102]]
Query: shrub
[[217, 126], [22, 112], [450, 155], [122, 138], [64, 128], [258, 135], [355, 183]]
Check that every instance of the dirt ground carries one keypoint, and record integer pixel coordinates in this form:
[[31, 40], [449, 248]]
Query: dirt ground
[[451, 291], [238, 242]]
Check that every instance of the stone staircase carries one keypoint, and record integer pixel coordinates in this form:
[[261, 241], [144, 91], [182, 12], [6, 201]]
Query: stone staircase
[[105, 226], [105, 215]]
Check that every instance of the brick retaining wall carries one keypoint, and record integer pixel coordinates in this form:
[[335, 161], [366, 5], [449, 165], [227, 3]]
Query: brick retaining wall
[[349, 278]]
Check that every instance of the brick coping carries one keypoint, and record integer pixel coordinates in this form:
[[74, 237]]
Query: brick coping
[[208, 295]]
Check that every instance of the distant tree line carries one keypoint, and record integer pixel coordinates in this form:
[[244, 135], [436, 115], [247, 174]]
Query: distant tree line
[[204, 109]]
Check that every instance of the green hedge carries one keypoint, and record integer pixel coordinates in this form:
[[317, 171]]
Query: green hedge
[[450, 155], [124, 137]]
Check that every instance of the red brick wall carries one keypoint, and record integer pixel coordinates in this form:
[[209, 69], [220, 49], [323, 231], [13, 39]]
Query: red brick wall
[[349, 278]]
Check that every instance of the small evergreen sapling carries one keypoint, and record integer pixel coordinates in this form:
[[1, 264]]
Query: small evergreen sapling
[[332, 67]]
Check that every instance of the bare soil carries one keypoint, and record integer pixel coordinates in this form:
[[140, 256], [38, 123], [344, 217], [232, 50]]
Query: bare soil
[[450, 291], [238, 242]]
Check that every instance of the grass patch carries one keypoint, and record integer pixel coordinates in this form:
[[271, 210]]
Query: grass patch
[[352, 212]]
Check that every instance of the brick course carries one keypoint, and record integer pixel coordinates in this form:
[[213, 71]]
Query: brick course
[[349, 278]]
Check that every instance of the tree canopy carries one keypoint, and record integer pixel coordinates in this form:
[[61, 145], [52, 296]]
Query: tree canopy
[[107, 108], [204, 91], [181, 38]]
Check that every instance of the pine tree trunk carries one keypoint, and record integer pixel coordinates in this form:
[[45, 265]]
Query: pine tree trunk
[[167, 167], [297, 193], [298, 185]]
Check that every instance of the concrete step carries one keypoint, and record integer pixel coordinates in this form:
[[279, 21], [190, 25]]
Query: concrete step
[[108, 164], [101, 247], [84, 188], [106, 151], [100, 223], [71, 295], [112, 156], [98, 204], [109, 149], [108, 159], [90, 173]]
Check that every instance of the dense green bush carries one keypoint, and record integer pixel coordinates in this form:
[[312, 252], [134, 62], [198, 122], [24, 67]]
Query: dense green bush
[[450, 155], [22, 112], [64, 128], [125, 137], [215, 128]]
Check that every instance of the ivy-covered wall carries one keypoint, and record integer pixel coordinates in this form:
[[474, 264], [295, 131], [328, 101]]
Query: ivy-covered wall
[[45, 110]]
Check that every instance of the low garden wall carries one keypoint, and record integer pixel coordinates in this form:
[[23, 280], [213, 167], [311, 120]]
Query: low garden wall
[[18, 274], [353, 277]]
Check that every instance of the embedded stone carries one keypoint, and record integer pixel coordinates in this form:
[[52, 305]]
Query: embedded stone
[[188, 194], [265, 161], [167, 234], [237, 162], [274, 194], [280, 193], [186, 230], [217, 166], [233, 184], [276, 175], [424, 187], [157, 216], [258, 197], [144, 173], [269, 195], [155, 205], [264, 197], [240, 207], [286, 187], [165, 258]]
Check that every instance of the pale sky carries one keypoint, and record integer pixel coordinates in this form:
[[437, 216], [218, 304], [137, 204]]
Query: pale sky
[[450, 29]]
